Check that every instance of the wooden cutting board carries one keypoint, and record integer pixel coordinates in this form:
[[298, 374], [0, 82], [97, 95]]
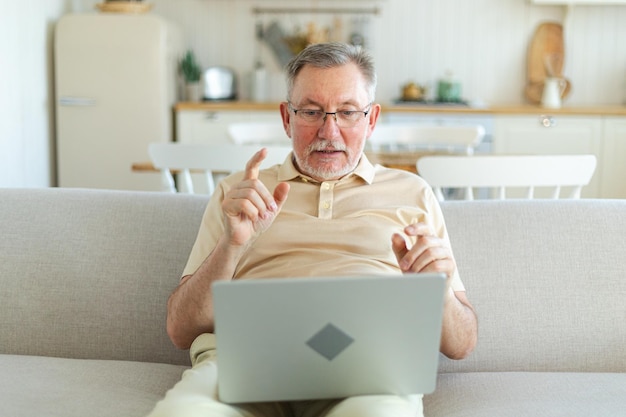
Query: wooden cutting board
[[546, 47], [546, 54]]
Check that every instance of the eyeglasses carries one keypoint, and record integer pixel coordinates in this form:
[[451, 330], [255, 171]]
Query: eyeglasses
[[343, 118]]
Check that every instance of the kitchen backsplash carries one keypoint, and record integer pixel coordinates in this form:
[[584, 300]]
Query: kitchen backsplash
[[483, 43]]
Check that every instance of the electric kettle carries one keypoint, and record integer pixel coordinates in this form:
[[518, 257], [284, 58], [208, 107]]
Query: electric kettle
[[220, 83]]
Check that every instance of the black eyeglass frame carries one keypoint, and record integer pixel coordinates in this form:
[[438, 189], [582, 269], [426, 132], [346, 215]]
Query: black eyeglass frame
[[365, 112]]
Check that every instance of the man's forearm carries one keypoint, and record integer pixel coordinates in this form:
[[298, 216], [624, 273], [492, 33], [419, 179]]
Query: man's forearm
[[460, 329], [190, 307]]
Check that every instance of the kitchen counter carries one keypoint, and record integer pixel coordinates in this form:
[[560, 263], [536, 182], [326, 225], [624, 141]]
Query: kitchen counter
[[514, 109], [401, 160]]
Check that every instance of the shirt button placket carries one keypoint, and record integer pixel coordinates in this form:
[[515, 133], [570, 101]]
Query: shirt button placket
[[326, 200]]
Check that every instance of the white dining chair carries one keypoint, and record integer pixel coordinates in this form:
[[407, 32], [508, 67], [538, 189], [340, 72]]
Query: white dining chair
[[502, 172], [211, 161], [258, 133], [414, 137]]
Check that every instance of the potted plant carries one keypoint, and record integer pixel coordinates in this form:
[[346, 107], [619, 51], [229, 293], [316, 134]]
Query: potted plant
[[192, 72]]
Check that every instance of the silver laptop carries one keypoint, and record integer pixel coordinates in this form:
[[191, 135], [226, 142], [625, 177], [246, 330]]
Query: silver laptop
[[332, 337]]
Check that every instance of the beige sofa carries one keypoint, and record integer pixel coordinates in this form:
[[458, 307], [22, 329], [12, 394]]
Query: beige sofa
[[85, 274]]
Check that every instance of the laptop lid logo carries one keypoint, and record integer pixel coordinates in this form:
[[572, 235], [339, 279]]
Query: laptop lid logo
[[330, 341]]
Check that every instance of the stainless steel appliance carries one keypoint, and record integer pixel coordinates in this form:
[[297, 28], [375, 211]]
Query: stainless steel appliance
[[220, 83]]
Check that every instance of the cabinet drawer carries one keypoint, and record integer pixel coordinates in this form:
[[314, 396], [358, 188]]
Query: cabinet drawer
[[194, 126]]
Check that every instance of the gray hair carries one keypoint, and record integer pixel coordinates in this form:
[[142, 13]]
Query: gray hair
[[330, 55]]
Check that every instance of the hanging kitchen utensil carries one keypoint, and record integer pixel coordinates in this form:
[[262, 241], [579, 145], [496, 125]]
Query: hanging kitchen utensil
[[275, 38], [259, 77], [258, 35]]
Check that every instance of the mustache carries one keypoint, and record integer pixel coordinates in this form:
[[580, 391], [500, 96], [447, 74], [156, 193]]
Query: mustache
[[326, 145]]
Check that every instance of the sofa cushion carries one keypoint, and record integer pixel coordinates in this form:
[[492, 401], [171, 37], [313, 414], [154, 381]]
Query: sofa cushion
[[523, 394], [43, 386]]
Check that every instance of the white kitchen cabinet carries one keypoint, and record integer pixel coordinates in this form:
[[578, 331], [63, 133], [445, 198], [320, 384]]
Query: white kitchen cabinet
[[507, 133], [445, 119], [614, 157], [210, 126], [552, 135]]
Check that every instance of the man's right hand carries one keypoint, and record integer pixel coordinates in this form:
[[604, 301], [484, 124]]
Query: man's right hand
[[249, 208]]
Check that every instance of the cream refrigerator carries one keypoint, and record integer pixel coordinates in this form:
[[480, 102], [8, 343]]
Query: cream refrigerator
[[115, 85]]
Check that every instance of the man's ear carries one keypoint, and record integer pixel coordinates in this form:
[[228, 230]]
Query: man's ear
[[373, 118], [286, 116]]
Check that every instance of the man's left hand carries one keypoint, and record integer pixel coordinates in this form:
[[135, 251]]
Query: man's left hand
[[429, 253]]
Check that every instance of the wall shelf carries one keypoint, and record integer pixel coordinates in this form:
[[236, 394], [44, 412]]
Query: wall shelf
[[579, 2]]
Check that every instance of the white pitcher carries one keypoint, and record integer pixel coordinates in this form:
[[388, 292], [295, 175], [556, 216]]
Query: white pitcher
[[552, 91]]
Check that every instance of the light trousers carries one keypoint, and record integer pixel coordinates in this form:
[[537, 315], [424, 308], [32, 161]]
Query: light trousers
[[195, 395]]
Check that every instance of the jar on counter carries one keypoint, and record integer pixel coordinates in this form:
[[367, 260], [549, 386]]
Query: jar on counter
[[448, 89]]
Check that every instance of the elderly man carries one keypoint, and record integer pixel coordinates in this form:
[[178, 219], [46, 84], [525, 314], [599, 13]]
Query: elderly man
[[325, 211]]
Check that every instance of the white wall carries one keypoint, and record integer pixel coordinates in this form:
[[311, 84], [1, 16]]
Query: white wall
[[483, 41], [26, 125]]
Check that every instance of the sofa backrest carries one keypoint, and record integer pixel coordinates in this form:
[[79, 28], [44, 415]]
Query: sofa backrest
[[548, 281], [87, 274]]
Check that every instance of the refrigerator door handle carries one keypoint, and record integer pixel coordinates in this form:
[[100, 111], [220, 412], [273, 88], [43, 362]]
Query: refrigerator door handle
[[77, 101]]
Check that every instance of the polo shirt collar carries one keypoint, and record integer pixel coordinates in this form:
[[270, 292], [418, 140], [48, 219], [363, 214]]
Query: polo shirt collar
[[288, 171]]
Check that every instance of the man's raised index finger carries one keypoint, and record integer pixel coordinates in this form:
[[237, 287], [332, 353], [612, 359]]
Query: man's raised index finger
[[254, 164]]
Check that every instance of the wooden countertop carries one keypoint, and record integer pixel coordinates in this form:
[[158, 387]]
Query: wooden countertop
[[514, 109], [399, 160]]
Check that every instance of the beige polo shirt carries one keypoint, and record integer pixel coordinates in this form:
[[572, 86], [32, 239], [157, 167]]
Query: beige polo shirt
[[341, 227]]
